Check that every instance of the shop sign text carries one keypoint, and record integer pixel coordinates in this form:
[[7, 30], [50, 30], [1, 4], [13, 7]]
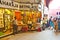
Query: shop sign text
[[17, 5]]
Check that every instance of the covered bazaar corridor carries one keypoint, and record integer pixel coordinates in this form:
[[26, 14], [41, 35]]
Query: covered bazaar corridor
[[29, 20]]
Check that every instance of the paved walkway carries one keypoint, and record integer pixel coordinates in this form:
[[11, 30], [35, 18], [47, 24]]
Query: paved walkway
[[44, 35]]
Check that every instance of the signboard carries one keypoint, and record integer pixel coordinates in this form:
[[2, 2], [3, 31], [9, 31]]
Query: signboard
[[14, 5], [24, 6], [8, 4], [35, 7]]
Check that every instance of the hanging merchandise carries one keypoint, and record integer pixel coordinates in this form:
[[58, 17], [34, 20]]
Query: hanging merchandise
[[1, 22], [30, 15], [5, 21], [40, 15], [7, 11], [1, 18], [18, 15]]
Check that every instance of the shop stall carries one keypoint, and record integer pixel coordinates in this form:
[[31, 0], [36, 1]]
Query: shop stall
[[1, 21], [5, 19], [28, 18]]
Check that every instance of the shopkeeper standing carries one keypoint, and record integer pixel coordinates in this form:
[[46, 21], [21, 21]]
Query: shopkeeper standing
[[15, 27]]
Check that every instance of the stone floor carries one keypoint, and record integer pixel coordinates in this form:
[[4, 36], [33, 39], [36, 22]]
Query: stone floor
[[44, 35]]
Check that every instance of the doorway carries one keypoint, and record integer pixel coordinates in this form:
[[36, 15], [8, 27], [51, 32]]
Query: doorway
[[7, 22]]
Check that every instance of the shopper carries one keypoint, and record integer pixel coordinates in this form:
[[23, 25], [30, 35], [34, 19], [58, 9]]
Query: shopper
[[59, 24], [50, 20], [15, 26], [51, 24], [47, 25], [55, 24], [44, 24]]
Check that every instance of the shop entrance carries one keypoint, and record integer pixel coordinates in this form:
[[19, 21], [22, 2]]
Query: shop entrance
[[7, 21], [6, 17]]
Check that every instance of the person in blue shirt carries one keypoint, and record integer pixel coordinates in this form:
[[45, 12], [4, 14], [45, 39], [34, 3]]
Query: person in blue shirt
[[47, 25], [51, 23]]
